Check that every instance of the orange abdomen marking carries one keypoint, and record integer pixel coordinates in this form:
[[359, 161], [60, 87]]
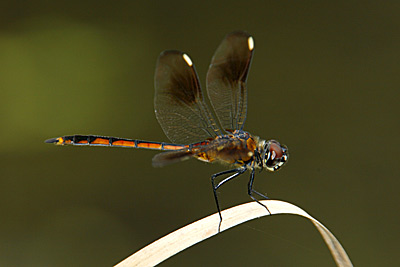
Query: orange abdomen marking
[[148, 145], [123, 143], [100, 141]]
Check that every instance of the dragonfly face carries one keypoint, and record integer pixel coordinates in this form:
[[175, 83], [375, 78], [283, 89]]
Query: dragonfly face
[[188, 122]]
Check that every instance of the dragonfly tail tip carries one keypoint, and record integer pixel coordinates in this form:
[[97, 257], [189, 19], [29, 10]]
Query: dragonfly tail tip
[[51, 140]]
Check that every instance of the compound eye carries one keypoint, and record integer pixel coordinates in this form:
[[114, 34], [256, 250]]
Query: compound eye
[[276, 155], [276, 150]]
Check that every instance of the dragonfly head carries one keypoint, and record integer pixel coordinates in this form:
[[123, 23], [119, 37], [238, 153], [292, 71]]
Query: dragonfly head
[[274, 155]]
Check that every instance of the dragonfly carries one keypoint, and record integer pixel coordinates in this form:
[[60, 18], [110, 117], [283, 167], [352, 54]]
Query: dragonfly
[[187, 120]]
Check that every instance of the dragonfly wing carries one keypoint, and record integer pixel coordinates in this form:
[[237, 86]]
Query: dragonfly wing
[[226, 79], [179, 103], [166, 158]]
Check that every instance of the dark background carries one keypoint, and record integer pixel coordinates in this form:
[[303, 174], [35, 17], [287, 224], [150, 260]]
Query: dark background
[[324, 81]]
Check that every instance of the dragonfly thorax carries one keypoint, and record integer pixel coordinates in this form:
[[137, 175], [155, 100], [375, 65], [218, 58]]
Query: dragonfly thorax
[[237, 148]]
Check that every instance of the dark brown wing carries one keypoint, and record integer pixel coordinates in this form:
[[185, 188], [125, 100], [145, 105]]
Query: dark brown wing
[[226, 79], [179, 103]]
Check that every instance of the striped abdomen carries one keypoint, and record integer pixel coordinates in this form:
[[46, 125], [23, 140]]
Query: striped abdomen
[[96, 140]]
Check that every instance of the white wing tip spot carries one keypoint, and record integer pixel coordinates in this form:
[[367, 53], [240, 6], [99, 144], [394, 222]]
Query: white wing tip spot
[[187, 59], [250, 43]]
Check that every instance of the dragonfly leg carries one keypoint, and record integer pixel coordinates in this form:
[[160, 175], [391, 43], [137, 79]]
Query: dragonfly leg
[[250, 190], [236, 172]]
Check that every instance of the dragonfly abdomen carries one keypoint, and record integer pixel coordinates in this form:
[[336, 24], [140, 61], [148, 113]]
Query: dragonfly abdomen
[[97, 140]]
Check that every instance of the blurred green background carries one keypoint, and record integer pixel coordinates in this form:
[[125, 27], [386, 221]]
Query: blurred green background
[[324, 81]]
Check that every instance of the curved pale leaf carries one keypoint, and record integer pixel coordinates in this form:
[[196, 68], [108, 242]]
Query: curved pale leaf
[[173, 243]]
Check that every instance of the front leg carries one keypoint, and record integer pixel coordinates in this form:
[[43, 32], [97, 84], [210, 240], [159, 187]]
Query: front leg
[[250, 190]]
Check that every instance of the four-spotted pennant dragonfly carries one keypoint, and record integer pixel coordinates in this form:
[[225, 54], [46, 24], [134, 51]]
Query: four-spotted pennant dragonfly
[[188, 122]]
